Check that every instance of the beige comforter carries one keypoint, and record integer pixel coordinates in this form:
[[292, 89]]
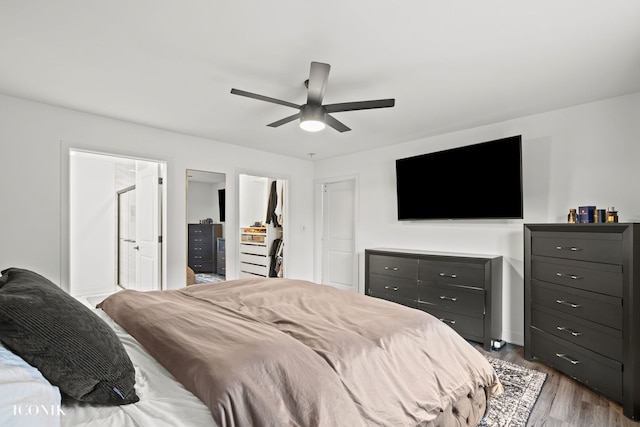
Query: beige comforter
[[282, 352]]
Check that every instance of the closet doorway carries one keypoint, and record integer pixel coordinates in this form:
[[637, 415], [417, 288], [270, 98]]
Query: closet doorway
[[110, 197], [262, 217]]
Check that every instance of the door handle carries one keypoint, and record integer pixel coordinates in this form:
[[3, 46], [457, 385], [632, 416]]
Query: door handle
[[137, 248]]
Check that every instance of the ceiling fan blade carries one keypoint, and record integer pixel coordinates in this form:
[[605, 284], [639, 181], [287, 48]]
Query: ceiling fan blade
[[264, 98], [283, 121], [336, 124], [318, 77], [361, 105]]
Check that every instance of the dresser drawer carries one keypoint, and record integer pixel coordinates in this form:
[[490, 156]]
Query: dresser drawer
[[469, 327], [601, 278], [201, 250], [204, 239], [454, 298], [598, 372], [202, 266], [397, 300], [603, 309], [394, 266], [397, 287], [246, 248], [598, 247], [446, 273], [592, 336], [254, 259]]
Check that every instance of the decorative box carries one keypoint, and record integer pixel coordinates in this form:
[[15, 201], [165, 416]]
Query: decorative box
[[585, 214]]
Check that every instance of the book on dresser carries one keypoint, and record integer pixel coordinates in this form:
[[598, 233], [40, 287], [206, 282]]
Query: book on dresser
[[582, 302], [462, 290]]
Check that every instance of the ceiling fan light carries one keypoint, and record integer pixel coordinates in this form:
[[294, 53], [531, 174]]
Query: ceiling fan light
[[312, 117], [312, 125]]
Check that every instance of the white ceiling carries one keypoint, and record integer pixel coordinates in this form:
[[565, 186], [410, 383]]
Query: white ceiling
[[449, 64]]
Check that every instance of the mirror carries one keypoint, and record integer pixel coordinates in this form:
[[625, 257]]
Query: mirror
[[206, 260]]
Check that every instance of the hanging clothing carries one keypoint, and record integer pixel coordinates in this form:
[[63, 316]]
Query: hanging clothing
[[275, 254], [279, 202], [271, 206]]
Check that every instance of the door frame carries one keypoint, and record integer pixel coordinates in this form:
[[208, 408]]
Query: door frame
[[66, 147], [319, 229]]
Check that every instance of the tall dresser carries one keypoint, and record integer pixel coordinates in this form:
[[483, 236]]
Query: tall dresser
[[582, 305], [464, 291], [201, 247]]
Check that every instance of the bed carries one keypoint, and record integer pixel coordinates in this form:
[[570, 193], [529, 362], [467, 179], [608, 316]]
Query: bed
[[272, 352]]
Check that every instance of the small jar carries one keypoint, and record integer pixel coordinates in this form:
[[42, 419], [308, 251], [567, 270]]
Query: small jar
[[612, 214], [572, 218]]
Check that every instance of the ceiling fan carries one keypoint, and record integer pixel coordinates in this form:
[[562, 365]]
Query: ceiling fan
[[313, 115]]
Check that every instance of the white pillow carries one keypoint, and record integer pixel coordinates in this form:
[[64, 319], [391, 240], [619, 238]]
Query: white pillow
[[26, 397]]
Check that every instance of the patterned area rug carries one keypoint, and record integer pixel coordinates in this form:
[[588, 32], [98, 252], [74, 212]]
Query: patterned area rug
[[521, 390], [208, 278]]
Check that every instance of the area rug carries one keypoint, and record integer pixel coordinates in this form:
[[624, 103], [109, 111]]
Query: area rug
[[208, 278], [521, 390]]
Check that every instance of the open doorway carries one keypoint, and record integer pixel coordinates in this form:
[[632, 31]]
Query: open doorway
[[262, 218], [115, 223]]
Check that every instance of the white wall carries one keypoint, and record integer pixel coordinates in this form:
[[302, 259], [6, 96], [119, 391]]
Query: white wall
[[585, 155], [253, 193], [34, 143], [203, 202]]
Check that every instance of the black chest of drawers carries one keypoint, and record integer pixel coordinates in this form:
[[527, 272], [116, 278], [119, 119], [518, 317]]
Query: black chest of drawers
[[201, 256], [581, 298], [462, 290]]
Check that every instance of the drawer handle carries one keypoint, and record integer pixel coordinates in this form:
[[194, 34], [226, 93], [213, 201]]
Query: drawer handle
[[391, 268], [453, 276], [570, 276], [569, 331], [569, 304], [567, 358], [452, 322], [393, 288], [568, 248], [444, 297]]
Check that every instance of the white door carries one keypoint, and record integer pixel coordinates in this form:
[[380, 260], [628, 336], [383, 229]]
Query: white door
[[339, 261], [147, 226]]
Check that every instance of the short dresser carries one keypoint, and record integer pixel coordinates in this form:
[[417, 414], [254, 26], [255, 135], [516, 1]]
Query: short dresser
[[462, 290]]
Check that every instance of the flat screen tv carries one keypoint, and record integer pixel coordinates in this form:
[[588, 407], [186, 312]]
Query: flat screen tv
[[480, 181]]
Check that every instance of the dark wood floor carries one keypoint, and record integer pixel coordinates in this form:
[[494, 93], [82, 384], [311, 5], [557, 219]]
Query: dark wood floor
[[563, 401]]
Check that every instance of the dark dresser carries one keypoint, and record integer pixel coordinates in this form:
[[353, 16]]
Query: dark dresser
[[582, 302], [201, 247], [462, 290]]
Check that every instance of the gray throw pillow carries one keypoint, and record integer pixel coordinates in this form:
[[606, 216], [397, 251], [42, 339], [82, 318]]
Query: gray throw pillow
[[72, 347]]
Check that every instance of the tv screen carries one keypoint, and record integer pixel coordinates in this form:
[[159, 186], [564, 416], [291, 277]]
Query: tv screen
[[480, 181]]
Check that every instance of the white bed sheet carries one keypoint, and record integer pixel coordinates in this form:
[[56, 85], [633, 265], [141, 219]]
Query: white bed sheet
[[163, 400], [27, 399]]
